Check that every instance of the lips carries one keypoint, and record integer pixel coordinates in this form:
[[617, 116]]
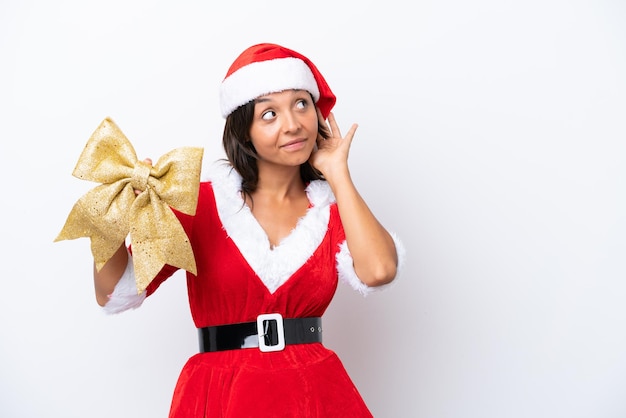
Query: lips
[[294, 145]]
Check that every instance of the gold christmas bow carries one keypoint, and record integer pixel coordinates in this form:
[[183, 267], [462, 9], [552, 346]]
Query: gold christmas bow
[[112, 211]]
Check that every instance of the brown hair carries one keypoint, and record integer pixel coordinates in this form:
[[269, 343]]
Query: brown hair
[[242, 155]]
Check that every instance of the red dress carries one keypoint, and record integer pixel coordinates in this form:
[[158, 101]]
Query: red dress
[[239, 277]]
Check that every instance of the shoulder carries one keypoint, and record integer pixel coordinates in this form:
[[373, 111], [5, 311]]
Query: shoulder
[[324, 205], [320, 194], [222, 185], [220, 177]]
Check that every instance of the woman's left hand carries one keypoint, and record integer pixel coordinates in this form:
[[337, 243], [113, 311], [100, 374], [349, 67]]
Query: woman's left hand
[[332, 153]]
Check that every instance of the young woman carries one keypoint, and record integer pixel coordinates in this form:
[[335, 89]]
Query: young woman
[[275, 227]]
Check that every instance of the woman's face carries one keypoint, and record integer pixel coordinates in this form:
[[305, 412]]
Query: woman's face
[[284, 128]]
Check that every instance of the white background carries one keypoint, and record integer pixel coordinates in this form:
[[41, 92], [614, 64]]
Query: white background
[[491, 139]]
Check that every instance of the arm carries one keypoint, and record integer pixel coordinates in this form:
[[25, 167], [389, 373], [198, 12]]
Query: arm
[[371, 246], [109, 275]]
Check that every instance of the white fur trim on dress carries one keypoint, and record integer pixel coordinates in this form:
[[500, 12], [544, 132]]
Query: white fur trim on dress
[[274, 266], [125, 296], [347, 274], [264, 77]]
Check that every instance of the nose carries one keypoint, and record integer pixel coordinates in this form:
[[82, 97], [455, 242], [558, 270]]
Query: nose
[[290, 122]]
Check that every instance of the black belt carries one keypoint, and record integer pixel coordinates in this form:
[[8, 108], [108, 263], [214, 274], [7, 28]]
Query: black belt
[[270, 332]]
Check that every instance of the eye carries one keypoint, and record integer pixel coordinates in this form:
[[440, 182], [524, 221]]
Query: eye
[[270, 114], [302, 104]]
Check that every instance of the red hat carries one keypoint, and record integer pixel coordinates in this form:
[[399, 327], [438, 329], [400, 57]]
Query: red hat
[[269, 68]]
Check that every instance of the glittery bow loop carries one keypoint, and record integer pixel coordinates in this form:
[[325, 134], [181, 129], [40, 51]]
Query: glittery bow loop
[[112, 211]]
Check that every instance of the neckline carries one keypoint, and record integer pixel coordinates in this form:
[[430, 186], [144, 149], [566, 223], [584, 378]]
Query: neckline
[[274, 266]]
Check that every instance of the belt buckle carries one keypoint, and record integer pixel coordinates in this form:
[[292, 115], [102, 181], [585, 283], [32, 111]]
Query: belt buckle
[[265, 330]]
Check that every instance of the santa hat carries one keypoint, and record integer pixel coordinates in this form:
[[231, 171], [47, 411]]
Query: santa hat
[[269, 68]]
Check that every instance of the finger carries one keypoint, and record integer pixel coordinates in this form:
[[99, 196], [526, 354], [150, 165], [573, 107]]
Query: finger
[[347, 140], [351, 132], [334, 128]]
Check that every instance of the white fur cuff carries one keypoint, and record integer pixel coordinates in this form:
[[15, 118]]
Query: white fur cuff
[[345, 267], [125, 296]]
